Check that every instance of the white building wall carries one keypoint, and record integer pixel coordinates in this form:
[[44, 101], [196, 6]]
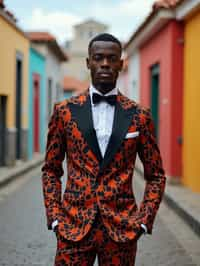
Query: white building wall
[[122, 83], [53, 70], [134, 76]]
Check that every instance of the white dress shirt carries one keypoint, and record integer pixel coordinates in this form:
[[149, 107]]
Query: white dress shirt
[[103, 116]]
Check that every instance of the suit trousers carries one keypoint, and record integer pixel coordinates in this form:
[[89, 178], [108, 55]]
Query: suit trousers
[[96, 242]]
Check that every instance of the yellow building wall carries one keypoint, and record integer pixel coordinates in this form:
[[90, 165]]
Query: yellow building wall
[[11, 42], [191, 130]]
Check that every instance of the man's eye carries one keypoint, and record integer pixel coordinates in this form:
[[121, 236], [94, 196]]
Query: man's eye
[[97, 57], [113, 58]]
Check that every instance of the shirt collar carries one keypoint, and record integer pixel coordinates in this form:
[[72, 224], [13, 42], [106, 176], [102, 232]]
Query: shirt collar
[[92, 90]]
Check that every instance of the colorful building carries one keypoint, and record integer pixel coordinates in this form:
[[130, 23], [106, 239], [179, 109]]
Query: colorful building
[[168, 43], [14, 54], [37, 103], [189, 12], [162, 89], [160, 43], [47, 45]]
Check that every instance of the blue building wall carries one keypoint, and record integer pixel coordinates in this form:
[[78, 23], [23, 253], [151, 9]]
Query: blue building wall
[[37, 65]]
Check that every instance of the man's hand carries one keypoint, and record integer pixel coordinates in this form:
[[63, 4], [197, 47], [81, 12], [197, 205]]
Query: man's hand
[[56, 230]]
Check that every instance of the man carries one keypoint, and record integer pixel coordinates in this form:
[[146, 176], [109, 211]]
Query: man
[[100, 131]]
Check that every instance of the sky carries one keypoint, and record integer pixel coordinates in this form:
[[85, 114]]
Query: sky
[[58, 17]]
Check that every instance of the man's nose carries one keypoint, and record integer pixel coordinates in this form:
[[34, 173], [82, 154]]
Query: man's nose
[[105, 62]]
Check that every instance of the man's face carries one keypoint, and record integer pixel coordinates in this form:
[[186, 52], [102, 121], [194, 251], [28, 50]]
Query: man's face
[[105, 64]]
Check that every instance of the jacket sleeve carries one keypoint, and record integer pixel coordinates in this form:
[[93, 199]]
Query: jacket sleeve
[[52, 168], [153, 171]]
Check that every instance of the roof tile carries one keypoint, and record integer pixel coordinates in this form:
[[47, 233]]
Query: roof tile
[[50, 40], [40, 36]]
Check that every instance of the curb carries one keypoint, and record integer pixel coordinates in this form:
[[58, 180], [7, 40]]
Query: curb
[[182, 211], [16, 173]]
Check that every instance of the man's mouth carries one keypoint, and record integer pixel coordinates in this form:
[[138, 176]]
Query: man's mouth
[[105, 75]]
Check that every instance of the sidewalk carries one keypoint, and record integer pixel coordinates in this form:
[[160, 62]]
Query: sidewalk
[[7, 174], [183, 201]]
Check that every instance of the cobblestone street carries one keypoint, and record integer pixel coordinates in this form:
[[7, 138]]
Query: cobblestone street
[[25, 240]]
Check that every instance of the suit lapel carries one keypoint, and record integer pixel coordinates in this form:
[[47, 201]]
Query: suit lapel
[[122, 120], [82, 114]]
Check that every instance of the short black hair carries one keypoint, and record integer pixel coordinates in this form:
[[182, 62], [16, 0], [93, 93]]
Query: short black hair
[[105, 37]]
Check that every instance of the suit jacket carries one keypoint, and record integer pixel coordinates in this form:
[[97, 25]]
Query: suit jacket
[[95, 183]]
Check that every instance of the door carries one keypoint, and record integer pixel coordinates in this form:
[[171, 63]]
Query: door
[[36, 112], [155, 77], [50, 97], [18, 106], [3, 100]]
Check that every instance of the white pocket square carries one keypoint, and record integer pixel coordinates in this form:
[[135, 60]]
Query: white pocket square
[[132, 135]]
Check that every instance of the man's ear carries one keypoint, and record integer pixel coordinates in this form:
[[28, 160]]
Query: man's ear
[[88, 63], [121, 64]]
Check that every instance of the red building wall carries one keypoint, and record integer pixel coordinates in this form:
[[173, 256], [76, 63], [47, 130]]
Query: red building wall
[[166, 48]]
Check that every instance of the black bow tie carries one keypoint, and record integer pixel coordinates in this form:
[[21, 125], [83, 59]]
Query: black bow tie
[[97, 98]]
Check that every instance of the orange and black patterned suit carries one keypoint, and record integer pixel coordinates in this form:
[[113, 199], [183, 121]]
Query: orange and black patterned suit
[[100, 184]]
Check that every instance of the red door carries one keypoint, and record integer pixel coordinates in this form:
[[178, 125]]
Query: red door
[[36, 112]]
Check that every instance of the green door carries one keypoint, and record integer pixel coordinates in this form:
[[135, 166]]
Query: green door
[[155, 76]]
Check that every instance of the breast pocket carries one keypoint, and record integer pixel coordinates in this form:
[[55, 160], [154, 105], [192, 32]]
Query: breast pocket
[[130, 143], [132, 135]]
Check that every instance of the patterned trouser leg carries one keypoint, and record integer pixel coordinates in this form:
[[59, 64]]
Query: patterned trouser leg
[[96, 242]]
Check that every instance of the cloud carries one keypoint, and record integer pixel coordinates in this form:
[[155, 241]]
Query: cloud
[[137, 8], [121, 16], [123, 8], [58, 23], [124, 16]]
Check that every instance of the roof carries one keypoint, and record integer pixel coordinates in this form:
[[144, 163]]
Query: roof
[[166, 4], [7, 12], [39, 36], [160, 4], [73, 84], [10, 19], [50, 40], [11, 15]]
